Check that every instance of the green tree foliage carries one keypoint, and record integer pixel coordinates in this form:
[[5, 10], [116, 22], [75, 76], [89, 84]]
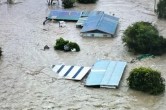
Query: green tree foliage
[[146, 80], [161, 9], [68, 3], [87, 1], [65, 45], [0, 52], [144, 38]]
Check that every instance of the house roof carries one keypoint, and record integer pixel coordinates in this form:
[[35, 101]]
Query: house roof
[[101, 22], [71, 72], [64, 15], [106, 73]]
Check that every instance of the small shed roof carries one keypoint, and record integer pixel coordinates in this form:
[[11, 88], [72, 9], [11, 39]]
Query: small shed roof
[[64, 15], [71, 72], [106, 73], [101, 22]]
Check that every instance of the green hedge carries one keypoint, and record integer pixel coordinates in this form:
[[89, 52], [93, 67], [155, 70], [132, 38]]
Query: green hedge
[[142, 37], [68, 3], [161, 9], [146, 80], [65, 45], [87, 1]]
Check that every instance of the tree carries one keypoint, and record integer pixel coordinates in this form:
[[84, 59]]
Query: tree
[[161, 9], [68, 3], [142, 37], [146, 80]]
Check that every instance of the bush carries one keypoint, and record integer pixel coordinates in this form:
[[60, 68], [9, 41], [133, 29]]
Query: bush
[[68, 3], [73, 45], [144, 38], [161, 9], [60, 43], [146, 80], [65, 45], [87, 1], [0, 52]]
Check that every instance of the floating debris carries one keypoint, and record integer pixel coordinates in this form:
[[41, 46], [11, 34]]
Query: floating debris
[[140, 57], [46, 47]]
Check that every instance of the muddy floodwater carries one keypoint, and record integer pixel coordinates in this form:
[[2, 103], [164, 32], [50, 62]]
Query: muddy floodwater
[[27, 81]]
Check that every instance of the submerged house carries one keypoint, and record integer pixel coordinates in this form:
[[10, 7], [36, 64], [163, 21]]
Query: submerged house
[[100, 25], [106, 73], [93, 23], [63, 15], [103, 73], [84, 17], [71, 72]]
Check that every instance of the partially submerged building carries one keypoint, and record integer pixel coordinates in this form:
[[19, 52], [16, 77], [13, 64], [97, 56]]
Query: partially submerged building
[[100, 25], [93, 23], [106, 73], [71, 72], [63, 15], [84, 17]]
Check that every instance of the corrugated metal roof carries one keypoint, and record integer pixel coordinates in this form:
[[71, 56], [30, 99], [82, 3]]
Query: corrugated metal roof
[[64, 15], [106, 73], [101, 22], [71, 72]]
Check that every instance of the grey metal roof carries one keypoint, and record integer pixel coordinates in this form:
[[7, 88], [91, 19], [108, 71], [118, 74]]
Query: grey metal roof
[[101, 22]]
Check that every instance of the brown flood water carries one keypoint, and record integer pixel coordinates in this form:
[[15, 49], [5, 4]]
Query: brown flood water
[[26, 79]]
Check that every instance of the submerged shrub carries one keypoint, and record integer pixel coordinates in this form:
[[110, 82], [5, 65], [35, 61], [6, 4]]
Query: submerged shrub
[[87, 1], [144, 38], [68, 3], [60, 43], [161, 9], [73, 45], [65, 45], [146, 80]]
